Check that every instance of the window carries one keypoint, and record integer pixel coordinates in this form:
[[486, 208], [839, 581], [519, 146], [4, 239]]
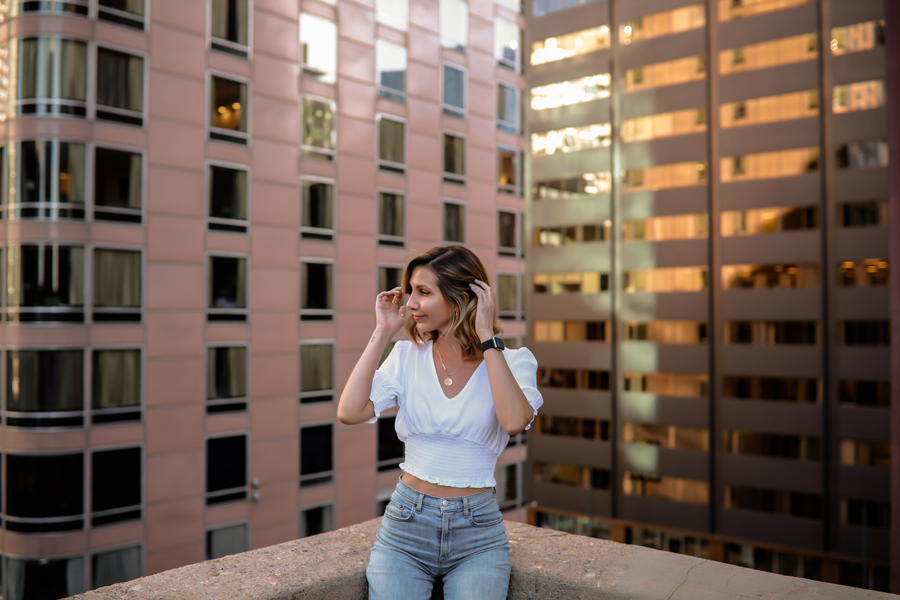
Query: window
[[229, 26], [319, 132], [226, 469], [659, 24], [864, 393], [229, 112], [575, 427], [780, 389], [316, 291], [676, 489], [793, 504], [513, 5], [116, 486], [316, 454], [769, 109], [116, 566], [47, 180], [795, 447], [509, 494], [506, 44], [667, 332], [672, 72], [588, 282], [864, 273], [665, 280], [53, 77], [454, 91], [571, 475], [509, 297], [663, 177], [116, 385], [567, 93], [391, 219], [865, 512], [390, 449], [870, 213], [318, 47], [863, 95], [129, 13], [316, 520], [227, 199], [316, 372], [45, 388], [390, 67], [68, 7], [226, 288], [120, 87], [509, 171], [117, 285], [508, 118], [575, 188], [391, 145], [768, 165], [224, 541], [316, 209], [118, 185], [735, 9], [226, 379], [570, 139], [571, 331], [388, 279], [577, 525], [771, 333], [454, 25], [569, 45], [862, 155], [45, 283], [662, 125], [857, 38], [760, 277], [674, 437], [572, 379], [45, 577], [765, 55], [657, 229], [865, 333], [44, 492], [454, 222], [454, 159], [393, 13], [668, 384], [769, 220], [507, 241], [865, 453]]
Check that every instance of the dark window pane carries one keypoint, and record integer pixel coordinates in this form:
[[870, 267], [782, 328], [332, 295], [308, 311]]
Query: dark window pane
[[45, 486], [316, 283], [120, 80], [314, 521], [389, 445], [391, 141], [507, 229], [317, 204], [316, 367], [116, 566], [316, 449], [116, 378], [35, 264], [44, 380], [45, 579], [228, 282], [227, 193], [226, 463], [226, 375], [133, 6], [454, 223], [454, 155], [390, 214], [43, 161], [454, 88], [116, 479], [229, 20], [118, 178]]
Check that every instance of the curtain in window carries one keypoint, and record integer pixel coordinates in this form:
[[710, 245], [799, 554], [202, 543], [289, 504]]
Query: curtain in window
[[454, 155], [391, 141], [45, 380], [29, 76], [72, 69], [219, 24], [226, 373], [117, 378], [242, 283], [391, 214], [117, 566], [15, 579], [71, 172], [75, 576], [316, 367], [120, 80], [117, 278], [76, 273], [228, 540]]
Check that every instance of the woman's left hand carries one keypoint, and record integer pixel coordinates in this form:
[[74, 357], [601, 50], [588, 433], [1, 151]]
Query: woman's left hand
[[486, 310]]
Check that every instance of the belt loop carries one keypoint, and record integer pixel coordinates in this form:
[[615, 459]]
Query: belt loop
[[466, 512], [418, 504]]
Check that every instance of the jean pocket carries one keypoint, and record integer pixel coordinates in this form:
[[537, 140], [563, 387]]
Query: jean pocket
[[398, 512], [486, 515]]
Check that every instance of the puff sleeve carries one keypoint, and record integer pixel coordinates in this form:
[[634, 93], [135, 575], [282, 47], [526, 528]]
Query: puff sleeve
[[387, 385], [523, 366]]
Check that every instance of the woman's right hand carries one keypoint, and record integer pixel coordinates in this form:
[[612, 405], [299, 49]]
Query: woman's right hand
[[389, 315]]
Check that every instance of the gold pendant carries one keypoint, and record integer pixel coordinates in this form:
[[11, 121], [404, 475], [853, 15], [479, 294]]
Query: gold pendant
[[448, 382]]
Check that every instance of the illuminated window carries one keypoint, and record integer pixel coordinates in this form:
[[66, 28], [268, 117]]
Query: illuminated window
[[228, 110], [671, 72], [678, 227], [865, 333], [509, 170], [585, 186], [735, 9], [663, 23], [507, 40], [571, 331], [865, 512], [318, 130], [760, 277], [769, 165], [764, 55], [675, 437], [583, 477], [857, 38], [666, 332], [864, 393], [566, 93], [318, 47], [589, 282], [862, 155], [570, 139], [680, 122], [771, 333], [796, 447], [865, 454], [691, 385], [588, 429], [663, 177], [769, 220], [572, 379], [769, 109], [576, 234], [782, 389], [663, 280], [676, 489], [864, 273], [869, 213], [792, 504], [572, 44], [862, 95]]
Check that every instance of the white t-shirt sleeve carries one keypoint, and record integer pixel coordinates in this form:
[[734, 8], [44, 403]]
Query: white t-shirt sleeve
[[523, 365], [387, 387]]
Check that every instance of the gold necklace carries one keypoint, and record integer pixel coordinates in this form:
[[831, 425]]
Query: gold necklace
[[448, 381]]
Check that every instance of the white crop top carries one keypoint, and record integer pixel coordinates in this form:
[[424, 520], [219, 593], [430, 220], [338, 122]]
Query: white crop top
[[455, 441]]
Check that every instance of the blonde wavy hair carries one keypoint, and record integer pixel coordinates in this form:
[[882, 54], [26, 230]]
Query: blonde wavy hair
[[455, 267]]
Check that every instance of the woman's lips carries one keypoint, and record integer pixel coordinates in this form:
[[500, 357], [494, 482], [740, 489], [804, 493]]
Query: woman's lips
[[418, 317]]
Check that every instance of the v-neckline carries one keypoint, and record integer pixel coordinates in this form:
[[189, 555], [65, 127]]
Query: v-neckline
[[437, 378]]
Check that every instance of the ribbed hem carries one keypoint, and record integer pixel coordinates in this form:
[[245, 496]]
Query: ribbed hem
[[449, 461]]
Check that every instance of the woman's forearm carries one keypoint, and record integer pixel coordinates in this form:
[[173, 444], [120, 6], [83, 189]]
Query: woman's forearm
[[354, 406], [512, 408]]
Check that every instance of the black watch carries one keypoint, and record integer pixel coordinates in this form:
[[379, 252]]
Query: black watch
[[494, 342]]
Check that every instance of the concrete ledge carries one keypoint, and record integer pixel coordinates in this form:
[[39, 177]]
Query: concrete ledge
[[547, 564]]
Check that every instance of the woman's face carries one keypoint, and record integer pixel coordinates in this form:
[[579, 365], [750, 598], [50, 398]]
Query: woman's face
[[427, 304]]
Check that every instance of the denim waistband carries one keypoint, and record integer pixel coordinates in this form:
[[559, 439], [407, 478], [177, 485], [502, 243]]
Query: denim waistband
[[418, 500]]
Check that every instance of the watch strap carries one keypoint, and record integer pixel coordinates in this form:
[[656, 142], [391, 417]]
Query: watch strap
[[494, 342]]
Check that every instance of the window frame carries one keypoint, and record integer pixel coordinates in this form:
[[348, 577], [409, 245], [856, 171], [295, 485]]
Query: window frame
[[449, 109], [218, 134], [89, 383], [124, 18], [207, 495], [319, 233], [90, 281], [514, 66], [307, 507], [47, 208], [518, 164], [519, 500], [388, 464], [220, 526], [513, 127], [311, 151], [307, 68], [518, 250], [89, 558], [462, 50], [387, 165], [228, 47], [81, 314], [465, 227], [94, 82], [89, 478], [221, 225], [225, 314], [398, 241], [222, 405], [319, 478], [446, 176], [91, 185], [301, 395], [393, 26], [89, 81], [386, 265], [317, 314], [518, 314], [386, 92]]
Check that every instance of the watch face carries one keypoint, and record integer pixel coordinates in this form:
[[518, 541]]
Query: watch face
[[499, 343]]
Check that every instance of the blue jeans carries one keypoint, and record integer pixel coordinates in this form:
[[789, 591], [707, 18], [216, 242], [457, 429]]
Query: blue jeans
[[422, 537]]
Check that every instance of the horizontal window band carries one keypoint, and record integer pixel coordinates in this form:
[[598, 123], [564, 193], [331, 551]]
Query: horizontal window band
[[224, 137], [48, 108], [390, 169], [316, 317], [117, 317], [46, 212], [229, 49], [131, 515], [316, 481], [44, 6], [39, 422], [120, 20], [232, 497], [222, 408], [455, 112], [329, 397], [396, 243], [44, 527], [46, 317], [102, 215], [396, 96], [226, 317], [226, 227], [454, 180], [106, 115], [117, 417], [320, 154], [390, 467], [316, 236]]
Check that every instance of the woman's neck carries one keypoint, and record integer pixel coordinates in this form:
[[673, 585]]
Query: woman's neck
[[450, 348]]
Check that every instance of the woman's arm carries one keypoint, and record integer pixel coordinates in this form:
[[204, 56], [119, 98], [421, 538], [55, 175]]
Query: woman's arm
[[354, 406]]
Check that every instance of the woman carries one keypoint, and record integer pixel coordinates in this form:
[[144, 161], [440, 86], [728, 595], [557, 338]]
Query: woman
[[461, 395]]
